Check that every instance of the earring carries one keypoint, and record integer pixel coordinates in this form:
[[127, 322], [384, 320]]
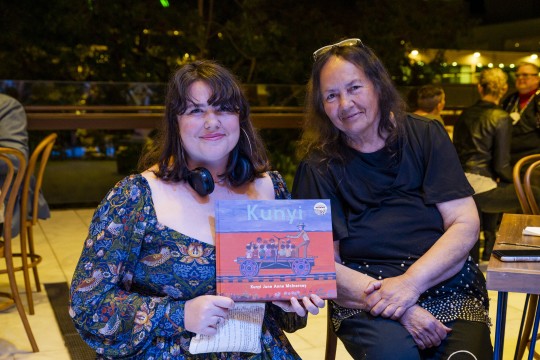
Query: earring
[[249, 142]]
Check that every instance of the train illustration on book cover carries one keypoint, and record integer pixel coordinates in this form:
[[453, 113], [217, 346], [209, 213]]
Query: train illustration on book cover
[[274, 249], [277, 253]]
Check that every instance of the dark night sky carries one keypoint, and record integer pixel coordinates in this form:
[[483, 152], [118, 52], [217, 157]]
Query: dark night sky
[[498, 11]]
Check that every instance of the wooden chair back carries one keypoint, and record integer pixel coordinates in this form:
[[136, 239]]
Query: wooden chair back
[[10, 189], [529, 205], [4, 189], [40, 155], [528, 188], [519, 181], [33, 179], [11, 185]]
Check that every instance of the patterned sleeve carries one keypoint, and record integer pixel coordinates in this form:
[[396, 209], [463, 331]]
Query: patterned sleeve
[[289, 322], [113, 320]]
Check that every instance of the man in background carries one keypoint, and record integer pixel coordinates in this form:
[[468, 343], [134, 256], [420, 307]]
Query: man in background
[[430, 102], [482, 136], [13, 134], [524, 108]]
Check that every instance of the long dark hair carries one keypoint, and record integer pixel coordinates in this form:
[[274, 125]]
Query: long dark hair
[[168, 152], [320, 135]]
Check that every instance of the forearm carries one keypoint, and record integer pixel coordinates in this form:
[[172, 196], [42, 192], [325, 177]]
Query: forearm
[[447, 256], [441, 262], [351, 286]]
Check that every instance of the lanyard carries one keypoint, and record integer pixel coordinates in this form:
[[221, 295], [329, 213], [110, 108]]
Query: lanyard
[[515, 114], [515, 108]]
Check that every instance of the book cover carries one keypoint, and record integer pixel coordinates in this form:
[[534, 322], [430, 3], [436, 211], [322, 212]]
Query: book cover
[[274, 249]]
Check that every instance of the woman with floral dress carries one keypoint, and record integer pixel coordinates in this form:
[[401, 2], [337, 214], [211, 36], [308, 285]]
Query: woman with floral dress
[[145, 284]]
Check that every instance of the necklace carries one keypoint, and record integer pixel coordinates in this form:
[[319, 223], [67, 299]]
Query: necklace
[[516, 113]]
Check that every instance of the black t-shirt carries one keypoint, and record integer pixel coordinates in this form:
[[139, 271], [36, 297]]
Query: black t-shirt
[[385, 213], [385, 216]]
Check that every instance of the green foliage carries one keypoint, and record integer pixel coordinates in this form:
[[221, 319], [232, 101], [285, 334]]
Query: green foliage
[[281, 146], [262, 41]]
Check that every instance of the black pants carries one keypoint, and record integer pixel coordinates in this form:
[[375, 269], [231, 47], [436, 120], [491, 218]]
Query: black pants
[[499, 200], [374, 338], [491, 204]]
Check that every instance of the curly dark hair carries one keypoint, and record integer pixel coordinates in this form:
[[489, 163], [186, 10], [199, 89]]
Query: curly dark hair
[[168, 153], [320, 135]]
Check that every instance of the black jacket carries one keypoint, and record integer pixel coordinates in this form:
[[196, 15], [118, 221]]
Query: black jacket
[[482, 137], [526, 132]]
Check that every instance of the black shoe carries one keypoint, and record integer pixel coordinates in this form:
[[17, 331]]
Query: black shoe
[[485, 257]]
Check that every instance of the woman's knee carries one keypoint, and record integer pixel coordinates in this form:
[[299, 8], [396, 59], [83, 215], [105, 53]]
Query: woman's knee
[[366, 337], [468, 340]]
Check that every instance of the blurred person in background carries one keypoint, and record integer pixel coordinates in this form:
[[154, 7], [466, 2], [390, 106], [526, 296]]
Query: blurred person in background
[[430, 101], [13, 134], [524, 109], [482, 136]]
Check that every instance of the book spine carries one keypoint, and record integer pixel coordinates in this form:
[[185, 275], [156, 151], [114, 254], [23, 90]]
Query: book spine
[[520, 258]]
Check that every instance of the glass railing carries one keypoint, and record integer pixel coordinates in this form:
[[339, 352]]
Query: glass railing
[[103, 155], [98, 120]]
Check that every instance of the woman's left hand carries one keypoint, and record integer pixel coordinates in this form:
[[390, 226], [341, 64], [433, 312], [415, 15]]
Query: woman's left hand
[[425, 329], [309, 304], [397, 295]]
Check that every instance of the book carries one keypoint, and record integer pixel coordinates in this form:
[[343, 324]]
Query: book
[[532, 231], [274, 249], [513, 255]]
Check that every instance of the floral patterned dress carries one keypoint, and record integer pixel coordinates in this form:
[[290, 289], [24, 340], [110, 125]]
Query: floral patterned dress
[[135, 276]]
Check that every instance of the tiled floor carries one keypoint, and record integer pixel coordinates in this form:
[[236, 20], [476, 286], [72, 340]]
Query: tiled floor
[[60, 239]]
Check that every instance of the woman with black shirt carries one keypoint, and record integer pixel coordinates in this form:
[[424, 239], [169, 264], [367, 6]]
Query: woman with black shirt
[[403, 215]]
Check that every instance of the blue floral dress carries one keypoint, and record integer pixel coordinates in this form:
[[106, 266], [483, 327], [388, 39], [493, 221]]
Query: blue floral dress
[[135, 276]]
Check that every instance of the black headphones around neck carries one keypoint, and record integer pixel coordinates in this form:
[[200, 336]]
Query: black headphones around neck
[[200, 179]]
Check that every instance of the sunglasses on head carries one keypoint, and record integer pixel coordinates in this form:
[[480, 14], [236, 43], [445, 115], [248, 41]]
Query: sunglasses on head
[[347, 42]]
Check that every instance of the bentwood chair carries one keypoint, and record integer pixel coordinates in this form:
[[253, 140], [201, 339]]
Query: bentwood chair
[[10, 189], [33, 180], [519, 181], [529, 205]]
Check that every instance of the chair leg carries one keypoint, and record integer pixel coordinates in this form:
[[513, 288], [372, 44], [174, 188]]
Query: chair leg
[[536, 354], [26, 273], [18, 303], [331, 338], [532, 343], [32, 253], [531, 310]]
